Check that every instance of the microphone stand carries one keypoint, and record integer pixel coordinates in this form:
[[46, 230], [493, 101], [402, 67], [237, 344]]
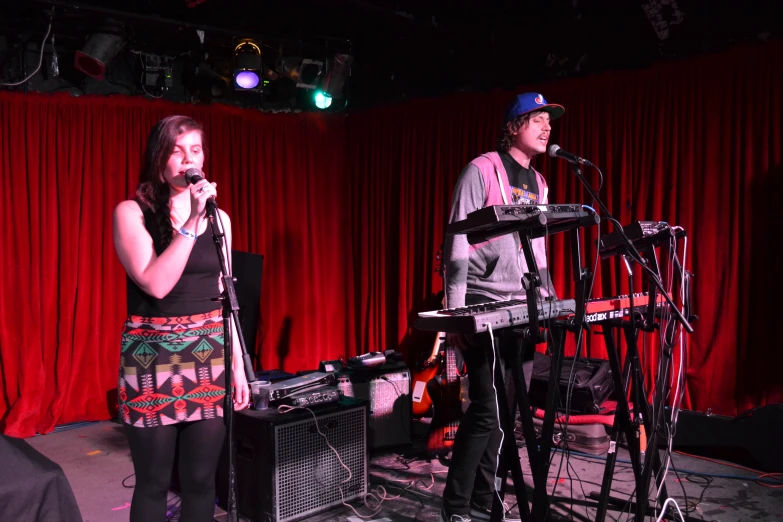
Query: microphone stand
[[230, 317], [633, 252]]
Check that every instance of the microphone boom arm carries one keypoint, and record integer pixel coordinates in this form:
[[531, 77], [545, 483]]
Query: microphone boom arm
[[632, 251]]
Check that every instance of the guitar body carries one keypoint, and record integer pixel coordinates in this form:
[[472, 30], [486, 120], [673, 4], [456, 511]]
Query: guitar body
[[422, 400], [429, 370], [445, 391]]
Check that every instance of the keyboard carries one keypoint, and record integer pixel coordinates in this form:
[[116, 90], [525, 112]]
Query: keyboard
[[498, 314]]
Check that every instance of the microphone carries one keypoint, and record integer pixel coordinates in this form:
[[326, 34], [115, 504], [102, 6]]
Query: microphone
[[556, 152], [193, 176]]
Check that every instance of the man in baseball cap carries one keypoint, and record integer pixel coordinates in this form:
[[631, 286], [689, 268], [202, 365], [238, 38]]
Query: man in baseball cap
[[532, 101], [492, 271]]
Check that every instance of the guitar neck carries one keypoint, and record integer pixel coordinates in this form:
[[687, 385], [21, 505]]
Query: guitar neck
[[451, 365]]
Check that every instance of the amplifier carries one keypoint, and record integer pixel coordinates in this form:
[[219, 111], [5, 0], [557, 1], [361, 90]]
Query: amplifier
[[284, 388], [310, 397], [285, 470], [387, 388]]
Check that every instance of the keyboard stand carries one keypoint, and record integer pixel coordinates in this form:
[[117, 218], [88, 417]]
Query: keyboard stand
[[644, 461], [527, 226], [538, 452]]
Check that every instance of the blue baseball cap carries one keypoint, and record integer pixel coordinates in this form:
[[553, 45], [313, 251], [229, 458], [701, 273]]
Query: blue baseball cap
[[529, 102]]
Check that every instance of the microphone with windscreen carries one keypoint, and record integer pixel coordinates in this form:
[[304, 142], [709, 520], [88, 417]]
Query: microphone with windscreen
[[556, 152], [193, 176]]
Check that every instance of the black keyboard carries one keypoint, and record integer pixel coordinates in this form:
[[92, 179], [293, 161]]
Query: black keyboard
[[497, 220]]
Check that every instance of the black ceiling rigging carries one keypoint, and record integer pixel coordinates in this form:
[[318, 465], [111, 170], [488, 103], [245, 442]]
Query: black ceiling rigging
[[185, 49]]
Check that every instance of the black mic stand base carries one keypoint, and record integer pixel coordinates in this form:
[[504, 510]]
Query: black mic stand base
[[624, 504], [230, 303]]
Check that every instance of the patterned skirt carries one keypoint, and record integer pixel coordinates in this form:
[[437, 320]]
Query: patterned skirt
[[172, 369]]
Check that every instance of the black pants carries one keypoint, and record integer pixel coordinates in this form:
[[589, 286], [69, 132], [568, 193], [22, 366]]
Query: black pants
[[474, 455], [152, 450]]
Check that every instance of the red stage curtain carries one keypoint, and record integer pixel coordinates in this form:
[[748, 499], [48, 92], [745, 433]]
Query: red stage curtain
[[696, 143], [66, 162], [350, 211]]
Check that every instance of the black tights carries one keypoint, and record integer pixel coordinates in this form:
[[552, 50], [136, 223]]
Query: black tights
[[152, 450]]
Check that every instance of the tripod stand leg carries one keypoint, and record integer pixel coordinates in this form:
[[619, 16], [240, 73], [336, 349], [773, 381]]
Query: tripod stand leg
[[622, 422], [541, 470], [641, 410], [523, 402], [652, 422]]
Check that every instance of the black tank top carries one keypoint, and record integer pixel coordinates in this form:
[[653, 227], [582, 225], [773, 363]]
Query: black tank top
[[193, 292]]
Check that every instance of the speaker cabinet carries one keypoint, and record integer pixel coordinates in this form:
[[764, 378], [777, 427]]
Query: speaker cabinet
[[286, 471], [388, 391], [751, 439]]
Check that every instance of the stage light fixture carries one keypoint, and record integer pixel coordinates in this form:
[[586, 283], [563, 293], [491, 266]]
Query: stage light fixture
[[322, 100], [248, 66], [305, 72], [335, 79], [309, 74], [99, 50]]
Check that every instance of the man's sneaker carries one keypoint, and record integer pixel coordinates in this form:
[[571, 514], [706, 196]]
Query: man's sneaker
[[452, 518], [480, 513]]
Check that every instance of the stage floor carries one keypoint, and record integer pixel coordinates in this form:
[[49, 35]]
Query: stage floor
[[96, 460]]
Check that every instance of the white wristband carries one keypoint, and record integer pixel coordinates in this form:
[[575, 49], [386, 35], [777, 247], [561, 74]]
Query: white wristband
[[187, 233]]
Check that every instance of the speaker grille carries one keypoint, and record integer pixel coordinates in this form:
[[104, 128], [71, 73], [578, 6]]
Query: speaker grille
[[390, 407], [309, 475]]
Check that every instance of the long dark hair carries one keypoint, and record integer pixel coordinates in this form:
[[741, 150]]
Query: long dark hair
[[153, 191]]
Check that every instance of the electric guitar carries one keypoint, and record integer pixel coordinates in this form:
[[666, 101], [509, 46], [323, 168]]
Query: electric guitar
[[426, 371], [446, 393], [421, 399], [437, 389]]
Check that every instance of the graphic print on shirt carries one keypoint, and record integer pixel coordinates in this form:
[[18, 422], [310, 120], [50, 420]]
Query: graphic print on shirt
[[522, 196]]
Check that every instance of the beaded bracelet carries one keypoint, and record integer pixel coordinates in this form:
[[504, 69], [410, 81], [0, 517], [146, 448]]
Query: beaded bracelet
[[187, 233]]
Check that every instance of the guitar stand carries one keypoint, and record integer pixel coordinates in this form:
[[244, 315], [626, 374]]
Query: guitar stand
[[538, 453]]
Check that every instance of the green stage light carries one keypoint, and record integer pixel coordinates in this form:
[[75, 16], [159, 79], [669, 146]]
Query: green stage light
[[322, 100]]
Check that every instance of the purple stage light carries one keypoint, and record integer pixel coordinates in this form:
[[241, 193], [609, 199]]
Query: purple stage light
[[247, 79]]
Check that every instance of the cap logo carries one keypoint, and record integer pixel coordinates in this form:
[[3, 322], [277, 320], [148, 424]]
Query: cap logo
[[539, 100]]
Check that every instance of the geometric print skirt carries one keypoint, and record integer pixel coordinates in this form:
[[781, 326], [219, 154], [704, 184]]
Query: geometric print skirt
[[172, 369]]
